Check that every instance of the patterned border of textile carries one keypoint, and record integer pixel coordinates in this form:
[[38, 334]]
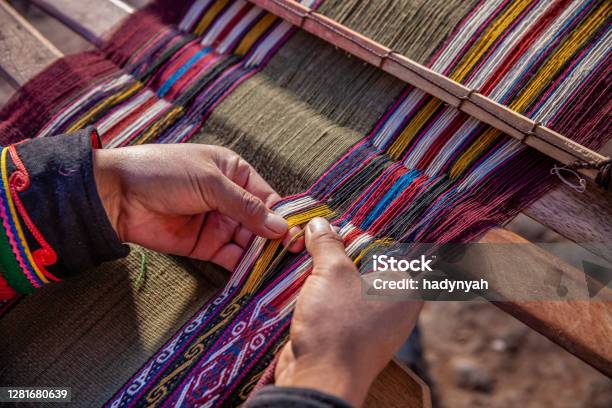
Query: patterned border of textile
[[426, 172]]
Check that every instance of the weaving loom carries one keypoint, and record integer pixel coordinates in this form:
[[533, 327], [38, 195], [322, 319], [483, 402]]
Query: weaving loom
[[384, 161]]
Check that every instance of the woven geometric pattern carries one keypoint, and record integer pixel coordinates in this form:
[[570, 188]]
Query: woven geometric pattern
[[426, 173], [414, 169]]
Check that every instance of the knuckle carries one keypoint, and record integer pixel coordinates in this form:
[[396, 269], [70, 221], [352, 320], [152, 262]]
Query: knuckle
[[241, 170], [221, 155], [235, 167], [251, 205], [208, 182], [329, 237], [339, 263]]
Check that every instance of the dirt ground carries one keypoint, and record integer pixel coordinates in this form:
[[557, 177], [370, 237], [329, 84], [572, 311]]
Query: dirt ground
[[477, 355], [480, 357]]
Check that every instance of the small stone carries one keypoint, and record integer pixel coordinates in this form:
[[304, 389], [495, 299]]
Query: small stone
[[510, 342], [472, 376], [499, 345], [515, 339]]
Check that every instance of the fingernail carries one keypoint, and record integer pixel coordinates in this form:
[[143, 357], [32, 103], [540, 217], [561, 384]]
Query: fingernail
[[319, 225], [276, 223]]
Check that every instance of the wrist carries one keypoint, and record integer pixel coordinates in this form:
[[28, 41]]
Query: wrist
[[109, 186]]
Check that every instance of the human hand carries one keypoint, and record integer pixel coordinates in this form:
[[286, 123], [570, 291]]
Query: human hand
[[339, 342], [200, 201]]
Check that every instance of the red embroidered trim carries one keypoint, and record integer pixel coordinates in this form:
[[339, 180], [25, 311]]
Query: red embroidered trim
[[19, 181], [96, 140]]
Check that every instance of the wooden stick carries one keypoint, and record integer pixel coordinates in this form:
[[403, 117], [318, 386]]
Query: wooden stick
[[582, 327], [24, 51], [68, 21], [467, 100], [83, 17]]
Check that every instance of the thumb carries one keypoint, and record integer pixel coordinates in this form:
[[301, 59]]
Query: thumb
[[250, 211], [326, 248]]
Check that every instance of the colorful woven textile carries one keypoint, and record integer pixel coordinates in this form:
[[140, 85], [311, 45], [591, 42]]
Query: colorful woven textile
[[425, 172]]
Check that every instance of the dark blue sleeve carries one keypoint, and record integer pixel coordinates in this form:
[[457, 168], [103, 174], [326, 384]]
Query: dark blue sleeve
[[289, 397], [55, 225]]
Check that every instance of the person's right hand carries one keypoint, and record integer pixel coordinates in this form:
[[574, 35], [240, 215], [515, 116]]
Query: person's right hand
[[339, 341]]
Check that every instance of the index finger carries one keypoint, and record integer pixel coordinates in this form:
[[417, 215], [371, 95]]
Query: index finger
[[256, 185], [249, 179]]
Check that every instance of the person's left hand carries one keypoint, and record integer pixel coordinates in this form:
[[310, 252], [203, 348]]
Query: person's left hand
[[200, 201]]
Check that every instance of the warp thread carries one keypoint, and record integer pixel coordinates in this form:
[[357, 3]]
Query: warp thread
[[425, 172]]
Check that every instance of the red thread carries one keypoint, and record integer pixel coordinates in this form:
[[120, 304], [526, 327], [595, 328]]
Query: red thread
[[19, 181]]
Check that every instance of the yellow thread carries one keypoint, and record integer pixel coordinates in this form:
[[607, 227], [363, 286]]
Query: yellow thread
[[256, 275], [260, 28], [283, 251], [267, 258], [15, 217], [486, 41], [473, 152], [210, 15], [110, 101], [303, 217], [573, 43], [169, 118], [378, 242], [399, 145]]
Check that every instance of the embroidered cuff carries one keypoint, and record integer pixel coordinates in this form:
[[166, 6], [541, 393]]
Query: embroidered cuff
[[53, 219]]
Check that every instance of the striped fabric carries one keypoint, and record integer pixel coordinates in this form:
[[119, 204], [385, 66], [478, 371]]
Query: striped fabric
[[426, 172], [175, 78]]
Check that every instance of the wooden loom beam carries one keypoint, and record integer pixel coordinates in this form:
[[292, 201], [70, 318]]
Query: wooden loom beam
[[556, 320], [23, 50], [78, 15]]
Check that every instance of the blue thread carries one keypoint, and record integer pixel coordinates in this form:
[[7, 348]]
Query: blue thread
[[163, 90], [399, 186]]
